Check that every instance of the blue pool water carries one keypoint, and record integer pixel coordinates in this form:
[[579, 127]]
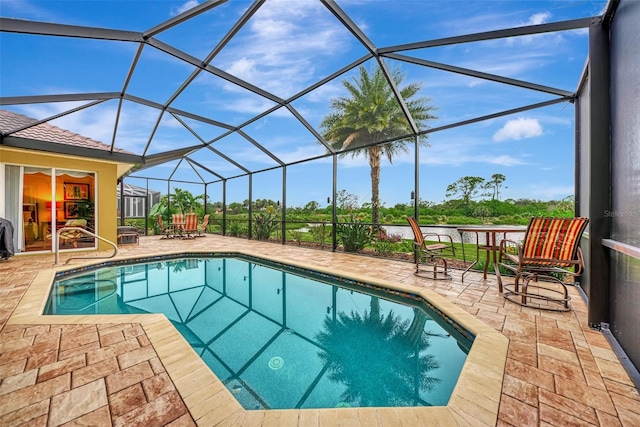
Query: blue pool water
[[282, 337]]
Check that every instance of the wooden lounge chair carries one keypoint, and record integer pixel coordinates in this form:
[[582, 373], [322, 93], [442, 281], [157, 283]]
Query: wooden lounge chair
[[190, 226], [549, 252], [202, 229], [431, 254]]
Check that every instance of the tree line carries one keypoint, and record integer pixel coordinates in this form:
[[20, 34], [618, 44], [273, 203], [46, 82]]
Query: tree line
[[460, 210]]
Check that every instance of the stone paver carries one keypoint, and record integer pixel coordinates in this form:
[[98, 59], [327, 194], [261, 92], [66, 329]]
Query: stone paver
[[558, 371]]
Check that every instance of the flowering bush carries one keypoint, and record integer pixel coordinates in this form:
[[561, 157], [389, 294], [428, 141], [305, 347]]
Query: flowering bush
[[385, 244]]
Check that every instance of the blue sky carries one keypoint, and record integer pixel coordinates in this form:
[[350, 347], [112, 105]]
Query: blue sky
[[286, 47]]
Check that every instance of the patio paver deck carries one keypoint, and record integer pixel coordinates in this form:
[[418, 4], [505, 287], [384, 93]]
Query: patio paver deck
[[558, 372]]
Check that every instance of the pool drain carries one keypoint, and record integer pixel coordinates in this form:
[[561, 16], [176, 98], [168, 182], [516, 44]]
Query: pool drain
[[276, 363]]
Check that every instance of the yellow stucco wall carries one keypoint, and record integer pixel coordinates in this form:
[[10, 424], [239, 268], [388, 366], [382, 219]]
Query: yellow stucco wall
[[106, 181]]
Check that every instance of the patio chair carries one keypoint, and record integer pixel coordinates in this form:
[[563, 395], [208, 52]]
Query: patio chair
[[202, 229], [166, 231], [190, 226], [432, 254], [177, 224], [548, 254]]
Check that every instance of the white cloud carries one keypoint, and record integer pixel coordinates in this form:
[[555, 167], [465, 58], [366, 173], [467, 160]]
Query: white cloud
[[281, 47], [539, 18], [510, 62], [477, 22], [168, 121], [462, 159], [541, 38], [243, 68], [298, 153], [546, 191], [189, 4], [249, 104], [519, 128], [504, 160], [22, 9], [96, 122], [460, 151]]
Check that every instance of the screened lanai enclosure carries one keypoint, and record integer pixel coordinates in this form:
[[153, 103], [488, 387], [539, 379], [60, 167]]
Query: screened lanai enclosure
[[237, 100], [272, 105], [134, 202]]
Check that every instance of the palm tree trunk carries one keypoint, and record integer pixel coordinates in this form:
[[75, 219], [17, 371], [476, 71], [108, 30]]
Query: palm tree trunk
[[417, 326], [374, 164], [374, 309]]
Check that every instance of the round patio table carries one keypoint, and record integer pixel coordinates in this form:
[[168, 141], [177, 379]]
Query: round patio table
[[490, 245]]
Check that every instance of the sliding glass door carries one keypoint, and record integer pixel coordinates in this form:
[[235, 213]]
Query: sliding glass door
[[39, 201], [75, 191], [36, 213]]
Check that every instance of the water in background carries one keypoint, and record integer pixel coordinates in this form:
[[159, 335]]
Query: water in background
[[406, 233]]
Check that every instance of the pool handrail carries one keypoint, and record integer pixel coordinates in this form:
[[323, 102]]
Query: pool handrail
[[56, 248]]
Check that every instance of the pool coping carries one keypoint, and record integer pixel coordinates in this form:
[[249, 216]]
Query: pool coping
[[474, 401]]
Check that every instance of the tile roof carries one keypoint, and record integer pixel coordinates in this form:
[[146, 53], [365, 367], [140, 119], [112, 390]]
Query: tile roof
[[46, 132]]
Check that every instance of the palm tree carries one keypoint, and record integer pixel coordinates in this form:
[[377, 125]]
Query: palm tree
[[381, 359], [184, 200], [494, 185], [370, 115]]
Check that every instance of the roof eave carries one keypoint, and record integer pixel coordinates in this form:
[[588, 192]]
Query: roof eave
[[52, 147]]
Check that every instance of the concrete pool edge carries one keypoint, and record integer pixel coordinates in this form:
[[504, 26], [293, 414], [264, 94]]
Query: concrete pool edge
[[474, 401]]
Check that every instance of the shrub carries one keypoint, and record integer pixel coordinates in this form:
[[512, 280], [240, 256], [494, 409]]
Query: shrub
[[214, 229], [236, 229], [464, 220], [385, 244], [296, 236], [354, 236], [264, 224], [319, 233], [406, 246]]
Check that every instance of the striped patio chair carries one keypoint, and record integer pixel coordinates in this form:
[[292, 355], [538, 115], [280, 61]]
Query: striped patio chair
[[202, 228], [177, 224], [548, 254], [190, 226]]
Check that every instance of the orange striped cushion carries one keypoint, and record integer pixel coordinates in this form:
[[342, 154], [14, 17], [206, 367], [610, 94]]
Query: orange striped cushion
[[551, 239]]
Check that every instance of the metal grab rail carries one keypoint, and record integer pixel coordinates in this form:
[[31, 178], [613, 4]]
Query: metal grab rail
[[56, 244]]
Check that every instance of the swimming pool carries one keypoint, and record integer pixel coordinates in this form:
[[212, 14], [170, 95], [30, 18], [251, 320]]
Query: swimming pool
[[283, 337]]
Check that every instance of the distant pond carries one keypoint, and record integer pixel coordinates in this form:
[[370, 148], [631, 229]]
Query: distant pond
[[406, 233]]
